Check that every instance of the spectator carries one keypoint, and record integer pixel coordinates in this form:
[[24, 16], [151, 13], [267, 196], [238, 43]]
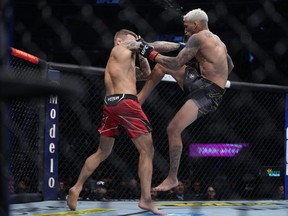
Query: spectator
[[128, 189], [96, 190], [279, 193], [133, 189], [62, 192], [177, 193], [101, 192], [196, 192], [211, 193], [22, 187]]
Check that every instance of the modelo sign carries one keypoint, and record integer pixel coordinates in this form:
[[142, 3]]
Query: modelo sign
[[51, 142]]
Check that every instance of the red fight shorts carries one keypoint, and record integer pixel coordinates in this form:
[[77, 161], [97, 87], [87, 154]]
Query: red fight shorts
[[124, 110]]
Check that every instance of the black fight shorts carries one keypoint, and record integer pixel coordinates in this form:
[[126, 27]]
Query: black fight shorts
[[206, 94]]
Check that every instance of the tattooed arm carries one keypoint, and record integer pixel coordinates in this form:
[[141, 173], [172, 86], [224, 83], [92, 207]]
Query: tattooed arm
[[131, 45], [164, 46], [143, 71], [160, 46], [186, 54]]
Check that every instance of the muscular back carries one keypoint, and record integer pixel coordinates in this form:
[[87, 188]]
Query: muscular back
[[212, 57], [120, 76]]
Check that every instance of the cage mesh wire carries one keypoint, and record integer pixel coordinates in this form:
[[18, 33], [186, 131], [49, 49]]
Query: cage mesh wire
[[81, 32], [25, 130], [252, 117]]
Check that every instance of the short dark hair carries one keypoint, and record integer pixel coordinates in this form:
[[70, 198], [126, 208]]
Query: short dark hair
[[124, 32]]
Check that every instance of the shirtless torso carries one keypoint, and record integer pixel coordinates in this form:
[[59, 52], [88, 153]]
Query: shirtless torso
[[211, 56], [120, 76]]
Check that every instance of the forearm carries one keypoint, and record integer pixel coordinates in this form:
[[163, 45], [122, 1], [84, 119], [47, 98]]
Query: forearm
[[144, 70], [131, 45], [164, 46], [160, 46], [174, 63]]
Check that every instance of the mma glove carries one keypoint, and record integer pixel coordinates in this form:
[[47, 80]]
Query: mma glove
[[147, 51]]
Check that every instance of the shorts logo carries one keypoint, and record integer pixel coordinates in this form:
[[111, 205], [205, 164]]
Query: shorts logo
[[191, 76], [113, 98]]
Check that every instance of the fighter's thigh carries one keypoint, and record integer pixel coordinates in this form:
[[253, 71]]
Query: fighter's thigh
[[143, 142], [159, 70], [178, 75], [186, 115]]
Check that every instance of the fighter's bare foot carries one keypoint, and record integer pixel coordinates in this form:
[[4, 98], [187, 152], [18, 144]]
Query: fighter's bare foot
[[166, 185], [72, 199], [150, 207]]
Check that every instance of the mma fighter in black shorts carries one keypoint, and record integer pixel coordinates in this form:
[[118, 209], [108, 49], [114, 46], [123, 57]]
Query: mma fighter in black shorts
[[203, 87]]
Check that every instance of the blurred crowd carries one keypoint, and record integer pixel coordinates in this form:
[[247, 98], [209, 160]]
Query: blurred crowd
[[107, 189]]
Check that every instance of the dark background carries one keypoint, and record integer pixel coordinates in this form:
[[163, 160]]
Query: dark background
[[81, 32]]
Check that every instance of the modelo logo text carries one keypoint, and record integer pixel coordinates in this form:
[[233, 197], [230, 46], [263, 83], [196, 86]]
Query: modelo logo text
[[52, 135]]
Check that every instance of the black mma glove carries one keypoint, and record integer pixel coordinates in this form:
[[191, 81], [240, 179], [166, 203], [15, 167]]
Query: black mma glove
[[147, 51]]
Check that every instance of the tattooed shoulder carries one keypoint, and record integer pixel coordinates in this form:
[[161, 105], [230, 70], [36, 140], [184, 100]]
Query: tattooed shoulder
[[193, 42], [208, 34]]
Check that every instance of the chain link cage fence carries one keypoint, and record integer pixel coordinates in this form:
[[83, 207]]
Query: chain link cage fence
[[238, 150], [25, 127], [81, 31]]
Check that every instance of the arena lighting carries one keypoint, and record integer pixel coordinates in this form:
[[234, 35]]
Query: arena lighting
[[170, 37], [107, 1], [216, 149], [270, 171]]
